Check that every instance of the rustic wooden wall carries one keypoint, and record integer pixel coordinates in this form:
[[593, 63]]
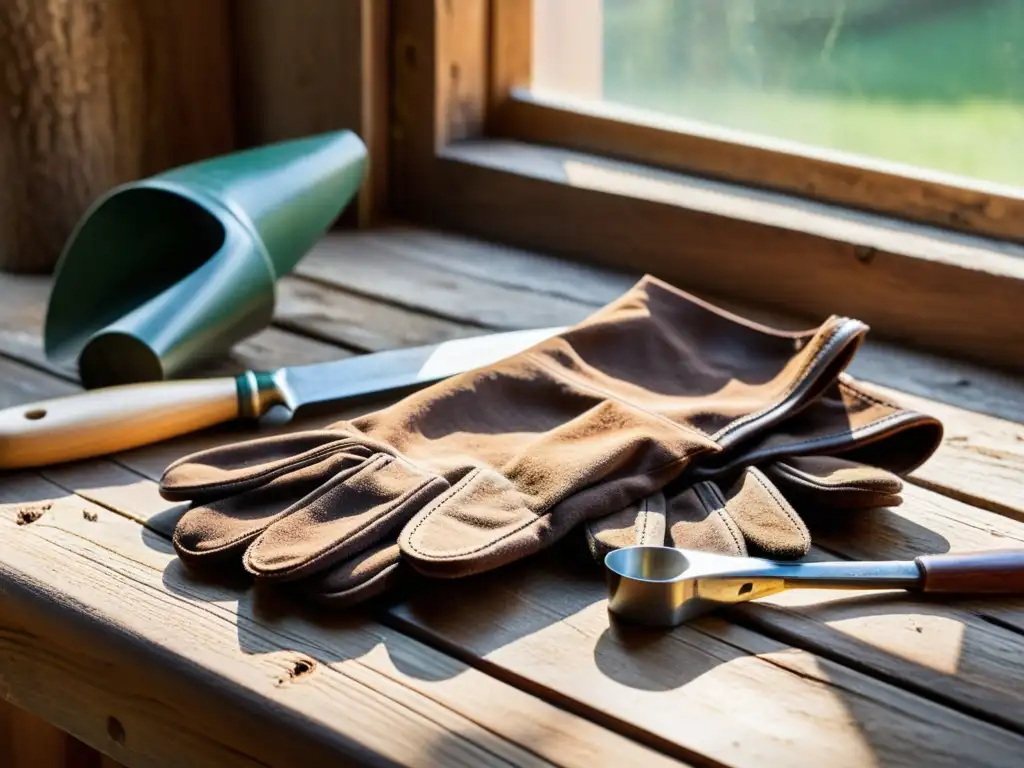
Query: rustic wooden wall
[[98, 92]]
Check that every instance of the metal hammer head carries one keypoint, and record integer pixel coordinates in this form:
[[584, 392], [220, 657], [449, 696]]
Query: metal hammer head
[[665, 586]]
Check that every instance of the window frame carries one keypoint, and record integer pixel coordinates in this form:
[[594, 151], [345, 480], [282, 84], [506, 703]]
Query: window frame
[[471, 152]]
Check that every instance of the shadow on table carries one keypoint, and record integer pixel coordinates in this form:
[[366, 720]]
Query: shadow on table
[[541, 625]]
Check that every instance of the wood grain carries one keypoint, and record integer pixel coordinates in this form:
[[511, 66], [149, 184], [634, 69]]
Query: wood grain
[[510, 55], [760, 161], [110, 420], [478, 283], [359, 323], [468, 281], [229, 680], [440, 87], [436, 276], [941, 292], [99, 93], [315, 66], [544, 627], [956, 662], [745, 699]]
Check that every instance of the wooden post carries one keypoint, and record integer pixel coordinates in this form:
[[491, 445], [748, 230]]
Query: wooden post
[[312, 66], [95, 93]]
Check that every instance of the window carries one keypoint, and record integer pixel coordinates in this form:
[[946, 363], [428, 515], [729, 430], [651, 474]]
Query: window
[[698, 140], [937, 84]]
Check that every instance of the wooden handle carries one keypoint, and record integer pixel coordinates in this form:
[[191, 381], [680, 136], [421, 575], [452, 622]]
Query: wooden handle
[[973, 572], [112, 419]]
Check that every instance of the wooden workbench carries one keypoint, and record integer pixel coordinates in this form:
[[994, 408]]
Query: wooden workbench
[[104, 636]]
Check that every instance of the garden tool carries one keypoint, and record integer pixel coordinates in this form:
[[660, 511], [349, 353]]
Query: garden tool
[[112, 419], [492, 465], [666, 586], [165, 271], [754, 500]]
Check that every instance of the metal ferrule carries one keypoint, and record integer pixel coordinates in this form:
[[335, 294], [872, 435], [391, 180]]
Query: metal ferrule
[[257, 392]]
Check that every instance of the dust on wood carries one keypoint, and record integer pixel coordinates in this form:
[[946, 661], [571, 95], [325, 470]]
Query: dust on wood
[[28, 515]]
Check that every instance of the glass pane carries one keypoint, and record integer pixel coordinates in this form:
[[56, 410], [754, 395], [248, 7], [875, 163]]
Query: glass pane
[[931, 83]]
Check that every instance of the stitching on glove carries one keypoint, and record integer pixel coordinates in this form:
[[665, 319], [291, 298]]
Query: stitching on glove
[[426, 512], [845, 325], [792, 449], [847, 385], [643, 511], [783, 504], [809, 480], [309, 458], [344, 475], [306, 565], [720, 510]]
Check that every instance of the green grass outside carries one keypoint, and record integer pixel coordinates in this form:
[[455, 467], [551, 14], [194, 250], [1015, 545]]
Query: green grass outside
[[938, 84]]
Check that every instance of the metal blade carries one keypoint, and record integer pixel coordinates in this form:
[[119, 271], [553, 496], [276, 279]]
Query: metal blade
[[398, 369]]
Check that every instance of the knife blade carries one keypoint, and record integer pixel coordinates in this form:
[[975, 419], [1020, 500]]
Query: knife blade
[[102, 421]]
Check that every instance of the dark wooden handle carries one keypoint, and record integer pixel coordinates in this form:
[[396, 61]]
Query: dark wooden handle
[[973, 572]]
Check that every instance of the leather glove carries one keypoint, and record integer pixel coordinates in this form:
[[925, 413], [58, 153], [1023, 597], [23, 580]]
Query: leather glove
[[492, 465], [756, 501]]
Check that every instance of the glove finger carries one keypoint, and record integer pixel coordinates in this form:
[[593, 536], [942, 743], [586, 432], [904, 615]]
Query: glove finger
[[639, 523], [219, 530], [770, 526], [235, 468], [698, 518], [369, 574], [347, 515], [829, 482], [486, 520]]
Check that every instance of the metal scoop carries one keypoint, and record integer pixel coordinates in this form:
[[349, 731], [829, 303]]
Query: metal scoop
[[665, 586]]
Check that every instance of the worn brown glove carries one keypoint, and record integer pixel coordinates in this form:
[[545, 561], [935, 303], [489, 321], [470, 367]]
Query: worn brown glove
[[495, 464], [756, 500]]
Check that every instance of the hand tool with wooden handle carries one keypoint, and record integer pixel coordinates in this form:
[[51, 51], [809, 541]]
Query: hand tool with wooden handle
[[665, 586], [111, 419]]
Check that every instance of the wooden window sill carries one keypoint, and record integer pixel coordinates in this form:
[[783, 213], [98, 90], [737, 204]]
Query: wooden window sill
[[932, 288]]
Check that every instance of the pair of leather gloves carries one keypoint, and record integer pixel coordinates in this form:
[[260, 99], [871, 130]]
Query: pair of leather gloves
[[659, 419]]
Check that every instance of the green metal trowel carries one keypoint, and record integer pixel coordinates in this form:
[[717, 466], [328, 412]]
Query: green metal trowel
[[164, 271]]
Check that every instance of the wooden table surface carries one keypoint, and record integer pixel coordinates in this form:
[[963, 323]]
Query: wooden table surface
[[106, 637]]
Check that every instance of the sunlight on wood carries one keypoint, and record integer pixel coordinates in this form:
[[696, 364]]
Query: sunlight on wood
[[782, 211], [926, 639], [923, 637]]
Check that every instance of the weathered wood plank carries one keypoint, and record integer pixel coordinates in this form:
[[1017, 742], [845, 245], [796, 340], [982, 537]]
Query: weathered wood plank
[[710, 687], [978, 462], [714, 685], [977, 687], [749, 158], [865, 634], [389, 263], [461, 279], [357, 322], [100, 612], [946, 648]]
